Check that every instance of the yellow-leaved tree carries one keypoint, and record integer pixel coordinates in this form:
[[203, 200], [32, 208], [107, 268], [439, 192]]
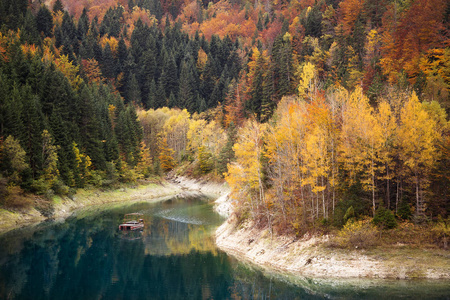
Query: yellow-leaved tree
[[386, 121], [284, 141], [69, 70], [317, 153], [245, 176], [308, 83], [361, 140], [417, 135], [166, 154]]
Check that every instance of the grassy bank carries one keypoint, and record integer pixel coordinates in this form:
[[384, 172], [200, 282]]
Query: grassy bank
[[40, 209]]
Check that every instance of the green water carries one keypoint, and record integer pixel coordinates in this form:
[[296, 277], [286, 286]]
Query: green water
[[174, 257]]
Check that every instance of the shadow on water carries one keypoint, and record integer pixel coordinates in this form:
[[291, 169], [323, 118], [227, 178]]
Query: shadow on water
[[174, 257]]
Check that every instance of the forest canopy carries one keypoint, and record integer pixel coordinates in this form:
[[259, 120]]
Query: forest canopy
[[309, 109]]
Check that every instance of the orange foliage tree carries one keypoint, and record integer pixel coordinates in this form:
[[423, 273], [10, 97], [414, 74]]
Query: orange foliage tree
[[418, 29]]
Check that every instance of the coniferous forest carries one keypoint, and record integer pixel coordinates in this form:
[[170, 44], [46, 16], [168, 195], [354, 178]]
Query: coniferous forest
[[315, 112]]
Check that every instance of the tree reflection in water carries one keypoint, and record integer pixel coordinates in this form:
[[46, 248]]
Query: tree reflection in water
[[174, 257]]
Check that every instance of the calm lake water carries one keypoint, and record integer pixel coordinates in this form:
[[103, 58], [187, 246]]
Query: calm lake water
[[174, 257]]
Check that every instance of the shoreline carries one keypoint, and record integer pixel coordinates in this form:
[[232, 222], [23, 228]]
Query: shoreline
[[63, 207], [310, 257]]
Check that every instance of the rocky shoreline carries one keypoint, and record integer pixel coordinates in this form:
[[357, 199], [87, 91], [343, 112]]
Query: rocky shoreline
[[310, 257]]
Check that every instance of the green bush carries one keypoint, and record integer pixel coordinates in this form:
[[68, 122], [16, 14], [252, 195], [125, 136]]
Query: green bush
[[349, 214], [60, 188], [40, 186], [384, 218], [404, 210]]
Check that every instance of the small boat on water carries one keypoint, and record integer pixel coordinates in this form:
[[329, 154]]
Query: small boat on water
[[133, 221]]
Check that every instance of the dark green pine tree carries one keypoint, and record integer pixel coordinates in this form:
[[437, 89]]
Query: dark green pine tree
[[55, 92], [29, 32], [122, 54], [58, 6], [4, 99], [234, 64], [146, 73], [68, 37], [90, 126], [109, 66], [186, 91], [259, 24], [32, 120], [133, 90], [112, 22], [83, 24], [129, 135], [44, 21], [173, 101], [209, 78], [151, 98], [98, 52], [13, 123], [139, 39], [169, 76], [12, 13], [201, 104], [36, 72], [313, 22], [358, 37], [66, 157], [18, 67], [161, 100], [86, 48], [283, 66], [220, 90], [131, 4], [128, 68]]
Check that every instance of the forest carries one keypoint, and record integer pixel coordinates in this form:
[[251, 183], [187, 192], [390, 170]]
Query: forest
[[315, 112]]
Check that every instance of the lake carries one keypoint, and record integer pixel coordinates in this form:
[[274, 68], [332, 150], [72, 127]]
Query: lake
[[174, 257]]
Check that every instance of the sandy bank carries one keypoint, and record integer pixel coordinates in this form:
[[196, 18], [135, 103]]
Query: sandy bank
[[309, 257]]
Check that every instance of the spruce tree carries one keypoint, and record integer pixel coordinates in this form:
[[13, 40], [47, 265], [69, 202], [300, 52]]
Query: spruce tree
[[186, 94], [160, 98], [83, 24], [29, 32], [33, 125], [133, 90], [169, 75], [44, 21], [109, 66], [151, 98], [173, 101], [58, 6]]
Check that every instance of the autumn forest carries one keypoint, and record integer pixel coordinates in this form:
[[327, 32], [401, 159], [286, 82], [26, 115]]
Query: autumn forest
[[315, 112]]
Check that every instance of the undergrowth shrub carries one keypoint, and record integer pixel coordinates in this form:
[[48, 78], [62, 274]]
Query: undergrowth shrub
[[14, 198], [441, 232], [60, 188], [384, 218], [40, 186], [358, 234]]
